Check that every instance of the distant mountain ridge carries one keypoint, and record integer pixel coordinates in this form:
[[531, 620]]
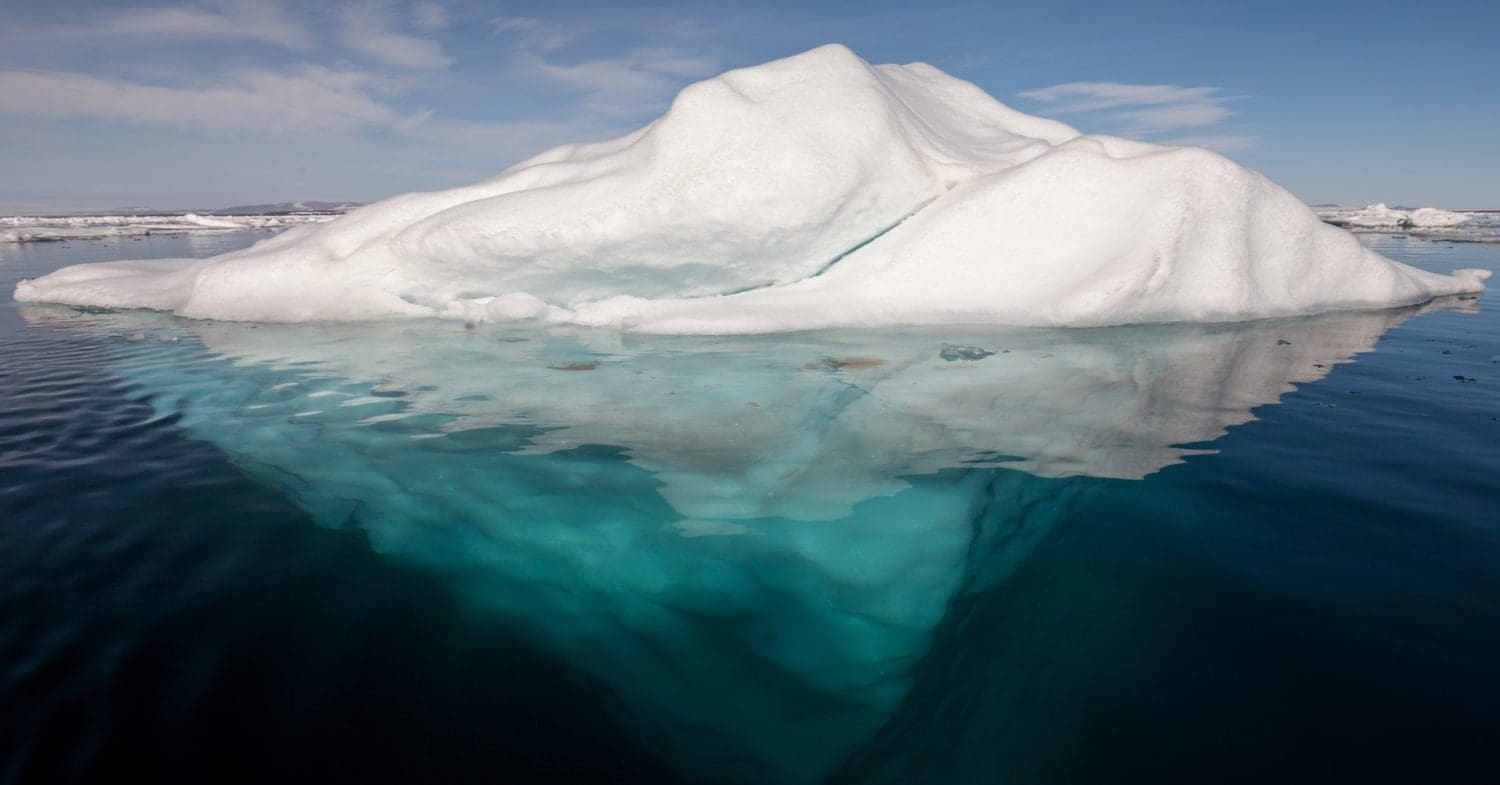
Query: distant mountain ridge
[[284, 207]]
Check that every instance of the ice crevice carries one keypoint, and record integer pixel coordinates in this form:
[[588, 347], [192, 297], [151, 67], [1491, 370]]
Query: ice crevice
[[883, 231], [841, 256]]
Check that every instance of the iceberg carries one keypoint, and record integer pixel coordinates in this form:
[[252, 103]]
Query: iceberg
[[817, 191]]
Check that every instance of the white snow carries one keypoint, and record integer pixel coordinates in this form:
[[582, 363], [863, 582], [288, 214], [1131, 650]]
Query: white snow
[[814, 191]]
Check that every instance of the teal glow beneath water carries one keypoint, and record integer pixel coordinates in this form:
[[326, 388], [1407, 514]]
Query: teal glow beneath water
[[772, 550]]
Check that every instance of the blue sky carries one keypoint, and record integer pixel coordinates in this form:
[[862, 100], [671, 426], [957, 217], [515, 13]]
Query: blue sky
[[216, 102]]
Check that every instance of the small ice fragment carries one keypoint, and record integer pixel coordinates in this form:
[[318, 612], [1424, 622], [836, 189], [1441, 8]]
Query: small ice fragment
[[1433, 218], [958, 351]]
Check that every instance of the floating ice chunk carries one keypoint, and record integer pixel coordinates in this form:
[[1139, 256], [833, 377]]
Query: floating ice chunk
[[1374, 216], [813, 191], [1433, 218], [211, 223], [1378, 216], [958, 351]]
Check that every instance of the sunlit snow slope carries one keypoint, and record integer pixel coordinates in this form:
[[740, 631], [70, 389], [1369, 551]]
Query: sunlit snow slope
[[814, 191]]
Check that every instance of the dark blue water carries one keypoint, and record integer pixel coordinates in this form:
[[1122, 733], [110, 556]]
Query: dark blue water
[[416, 552]]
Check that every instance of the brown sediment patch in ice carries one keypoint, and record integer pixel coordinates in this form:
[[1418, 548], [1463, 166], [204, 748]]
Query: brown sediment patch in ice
[[851, 363]]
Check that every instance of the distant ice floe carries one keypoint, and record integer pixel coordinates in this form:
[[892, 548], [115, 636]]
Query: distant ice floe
[[1470, 226], [28, 229], [818, 191], [1431, 217]]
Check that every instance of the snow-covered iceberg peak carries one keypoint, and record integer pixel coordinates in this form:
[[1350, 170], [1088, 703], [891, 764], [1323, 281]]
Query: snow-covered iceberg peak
[[814, 191]]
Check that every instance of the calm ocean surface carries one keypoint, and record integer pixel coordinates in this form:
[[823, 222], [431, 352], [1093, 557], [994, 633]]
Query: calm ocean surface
[[416, 552]]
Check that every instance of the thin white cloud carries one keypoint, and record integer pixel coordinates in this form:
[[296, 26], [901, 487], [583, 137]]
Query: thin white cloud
[[264, 21], [625, 84], [532, 35], [1096, 96], [503, 142], [1144, 110], [514, 24], [429, 17], [1171, 118], [1224, 144], [369, 27], [620, 84], [309, 102], [314, 99]]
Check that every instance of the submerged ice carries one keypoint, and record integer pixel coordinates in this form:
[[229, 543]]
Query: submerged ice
[[750, 540], [811, 192]]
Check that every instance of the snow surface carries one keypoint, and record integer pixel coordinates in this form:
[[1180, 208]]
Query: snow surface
[[815, 191]]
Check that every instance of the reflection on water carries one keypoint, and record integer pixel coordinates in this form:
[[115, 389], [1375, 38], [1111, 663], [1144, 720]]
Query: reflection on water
[[751, 540]]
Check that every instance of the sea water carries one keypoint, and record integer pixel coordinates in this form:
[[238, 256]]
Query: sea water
[[420, 551]]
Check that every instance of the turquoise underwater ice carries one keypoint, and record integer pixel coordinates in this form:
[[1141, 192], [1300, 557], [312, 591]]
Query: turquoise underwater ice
[[750, 540]]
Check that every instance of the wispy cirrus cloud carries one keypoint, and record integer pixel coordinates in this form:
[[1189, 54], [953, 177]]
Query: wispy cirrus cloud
[[623, 85], [620, 84], [263, 21], [429, 17], [282, 79], [311, 101], [514, 24], [252, 102], [371, 27], [1224, 143], [1095, 96], [1146, 110]]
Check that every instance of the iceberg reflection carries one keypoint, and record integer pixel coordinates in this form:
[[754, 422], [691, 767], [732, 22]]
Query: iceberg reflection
[[750, 539]]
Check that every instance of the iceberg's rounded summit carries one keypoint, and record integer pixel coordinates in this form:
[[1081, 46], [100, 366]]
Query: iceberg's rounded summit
[[814, 191]]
